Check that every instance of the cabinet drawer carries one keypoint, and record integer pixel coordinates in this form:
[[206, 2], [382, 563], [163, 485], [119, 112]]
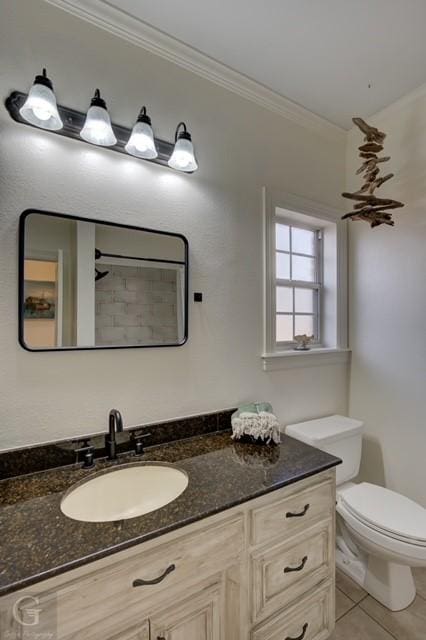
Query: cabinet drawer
[[107, 598], [285, 572], [292, 513], [311, 619]]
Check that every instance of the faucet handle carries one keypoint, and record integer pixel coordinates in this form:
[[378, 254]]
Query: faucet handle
[[89, 453], [138, 442]]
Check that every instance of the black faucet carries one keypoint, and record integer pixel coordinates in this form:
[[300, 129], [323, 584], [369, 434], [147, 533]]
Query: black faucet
[[115, 426]]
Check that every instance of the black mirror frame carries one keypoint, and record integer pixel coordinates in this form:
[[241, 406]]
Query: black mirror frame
[[22, 219]]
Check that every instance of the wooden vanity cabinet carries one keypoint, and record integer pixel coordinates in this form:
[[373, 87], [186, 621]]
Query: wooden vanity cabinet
[[196, 617], [263, 570]]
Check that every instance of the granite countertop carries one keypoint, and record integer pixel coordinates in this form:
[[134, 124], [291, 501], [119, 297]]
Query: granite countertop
[[37, 541]]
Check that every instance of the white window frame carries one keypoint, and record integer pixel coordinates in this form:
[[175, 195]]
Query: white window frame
[[299, 284], [333, 313]]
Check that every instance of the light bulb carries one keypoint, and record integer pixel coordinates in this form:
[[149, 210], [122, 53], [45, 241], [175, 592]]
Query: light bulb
[[183, 158], [40, 107], [97, 126], [141, 142], [42, 111]]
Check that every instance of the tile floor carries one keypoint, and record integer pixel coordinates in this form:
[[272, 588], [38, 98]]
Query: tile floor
[[360, 617]]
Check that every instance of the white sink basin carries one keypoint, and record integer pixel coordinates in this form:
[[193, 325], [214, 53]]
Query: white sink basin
[[124, 492]]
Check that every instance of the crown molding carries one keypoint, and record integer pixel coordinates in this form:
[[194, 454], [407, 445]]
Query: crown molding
[[116, 21]]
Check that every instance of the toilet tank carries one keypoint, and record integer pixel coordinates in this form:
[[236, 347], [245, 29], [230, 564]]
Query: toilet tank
[[338, 435]]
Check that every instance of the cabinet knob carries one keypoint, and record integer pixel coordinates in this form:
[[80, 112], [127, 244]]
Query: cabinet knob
[[302, 635]]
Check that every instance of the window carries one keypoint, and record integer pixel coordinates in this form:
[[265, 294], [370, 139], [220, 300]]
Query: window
[[297, 281], [305, 276]]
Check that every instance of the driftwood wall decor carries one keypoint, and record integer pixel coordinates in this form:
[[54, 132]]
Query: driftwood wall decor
[[368, 206]]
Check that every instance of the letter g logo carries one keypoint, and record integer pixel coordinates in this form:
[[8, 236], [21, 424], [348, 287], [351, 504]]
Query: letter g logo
[[26, 611]]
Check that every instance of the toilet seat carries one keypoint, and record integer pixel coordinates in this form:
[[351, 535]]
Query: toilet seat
[[386, 512], [381, 544]]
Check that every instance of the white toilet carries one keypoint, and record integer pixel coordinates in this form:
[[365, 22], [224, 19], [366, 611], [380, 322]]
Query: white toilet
[[380, 534]]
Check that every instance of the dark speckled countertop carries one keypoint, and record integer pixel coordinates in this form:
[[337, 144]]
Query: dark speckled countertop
[[37, 541]]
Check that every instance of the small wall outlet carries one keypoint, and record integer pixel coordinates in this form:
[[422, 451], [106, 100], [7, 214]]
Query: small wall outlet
[[198, 297]]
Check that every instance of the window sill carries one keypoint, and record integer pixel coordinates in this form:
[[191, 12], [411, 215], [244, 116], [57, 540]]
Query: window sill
[[312, 358]]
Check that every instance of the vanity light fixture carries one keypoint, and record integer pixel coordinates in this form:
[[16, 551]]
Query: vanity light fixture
[[141, 142], [40, 107], [97, 127], [183, 158]]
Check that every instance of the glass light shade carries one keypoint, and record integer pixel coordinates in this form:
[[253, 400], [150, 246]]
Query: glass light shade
[[40, 108], [97, 128], [141, 142], [182, 158]]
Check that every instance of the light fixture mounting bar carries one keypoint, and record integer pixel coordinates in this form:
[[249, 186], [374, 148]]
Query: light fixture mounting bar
[[74, 121]]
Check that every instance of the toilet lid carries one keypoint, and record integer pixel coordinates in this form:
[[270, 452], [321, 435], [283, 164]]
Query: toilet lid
[[387, 511]]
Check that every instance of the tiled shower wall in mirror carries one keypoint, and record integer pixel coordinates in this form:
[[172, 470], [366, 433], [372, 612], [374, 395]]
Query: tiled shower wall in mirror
[[136, 305]]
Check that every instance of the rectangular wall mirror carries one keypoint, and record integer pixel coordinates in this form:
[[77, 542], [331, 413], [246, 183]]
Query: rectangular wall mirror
[[85, 284]]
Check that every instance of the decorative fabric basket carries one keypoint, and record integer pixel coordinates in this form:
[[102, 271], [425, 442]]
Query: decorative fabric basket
[[256, 424]]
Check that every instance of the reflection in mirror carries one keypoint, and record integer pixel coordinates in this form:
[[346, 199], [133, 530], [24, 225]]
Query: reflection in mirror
[[85, 284]]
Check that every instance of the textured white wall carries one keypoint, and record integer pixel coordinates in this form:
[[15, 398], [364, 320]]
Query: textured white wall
[[388, 311], [240, 146]]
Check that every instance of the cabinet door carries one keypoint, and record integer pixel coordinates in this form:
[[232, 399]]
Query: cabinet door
[[136, 632], [196, 618]]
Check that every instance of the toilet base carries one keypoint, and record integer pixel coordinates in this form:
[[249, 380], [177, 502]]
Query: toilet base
[[351, 567], [389, 583]]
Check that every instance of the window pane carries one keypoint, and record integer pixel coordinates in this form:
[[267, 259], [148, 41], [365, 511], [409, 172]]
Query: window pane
[[282, 237], [304, 324], [284, 328], [304, 300], [285, 299], [283, 266], [302, 241], [303, 268]]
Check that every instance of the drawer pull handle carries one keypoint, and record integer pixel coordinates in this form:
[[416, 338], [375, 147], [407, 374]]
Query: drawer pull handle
[[140, 582], [302, 635], [299, 568], [302, 513]]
